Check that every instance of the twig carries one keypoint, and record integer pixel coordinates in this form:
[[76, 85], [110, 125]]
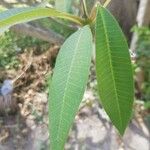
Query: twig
[[43, 34], [26, 68], [106, 3], [85, 8], [93, 11]]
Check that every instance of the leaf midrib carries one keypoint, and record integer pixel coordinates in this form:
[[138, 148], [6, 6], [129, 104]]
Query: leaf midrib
[[46, 12], [111, 66], [66, 86]]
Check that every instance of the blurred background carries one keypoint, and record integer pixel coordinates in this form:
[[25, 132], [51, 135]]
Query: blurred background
[[31, 48]]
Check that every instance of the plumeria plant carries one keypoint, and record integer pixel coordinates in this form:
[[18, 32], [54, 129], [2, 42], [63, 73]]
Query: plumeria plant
[[113, 66]]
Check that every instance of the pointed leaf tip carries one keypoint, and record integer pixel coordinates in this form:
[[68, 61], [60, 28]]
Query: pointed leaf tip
[[113, 70], [68, 84]]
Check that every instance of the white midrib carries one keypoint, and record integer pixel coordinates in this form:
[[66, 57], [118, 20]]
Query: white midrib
[[111, 66], [64, 97]]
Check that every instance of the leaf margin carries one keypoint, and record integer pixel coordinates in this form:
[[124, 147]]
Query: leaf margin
[[52, 87], [122, 129]]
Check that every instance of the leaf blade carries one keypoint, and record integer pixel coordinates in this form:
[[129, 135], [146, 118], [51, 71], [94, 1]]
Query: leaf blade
[[113, 69], [20, 15], [63, 5], [66, 90]]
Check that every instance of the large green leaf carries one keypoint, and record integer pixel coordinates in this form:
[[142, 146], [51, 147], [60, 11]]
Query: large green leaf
[[114, 70], [20, 15], [63, 5], [68, 84]]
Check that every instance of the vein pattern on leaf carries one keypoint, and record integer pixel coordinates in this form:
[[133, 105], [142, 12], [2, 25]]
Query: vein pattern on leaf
[[68, 84], [111, 66], [68, 81], [113, 69]]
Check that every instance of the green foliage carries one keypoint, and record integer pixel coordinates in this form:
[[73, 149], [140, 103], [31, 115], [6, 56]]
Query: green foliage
[[143, 33], [69, 80], [60, 27], [23, 42], [114, 71], [8, 50], [143, 59], [63, 5], [12, 44], [113, 67], [20, 15]]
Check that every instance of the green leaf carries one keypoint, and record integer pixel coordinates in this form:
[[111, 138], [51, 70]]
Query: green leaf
[[20, 15], [63, 5], [114, 70], [68, 84]]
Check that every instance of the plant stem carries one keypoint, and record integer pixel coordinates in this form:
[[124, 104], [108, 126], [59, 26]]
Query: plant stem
[[106, 3], [93, 12], [85, 8]]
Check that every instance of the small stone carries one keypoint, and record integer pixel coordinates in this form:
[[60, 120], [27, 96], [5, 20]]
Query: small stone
[[25, 131], [30, 123]]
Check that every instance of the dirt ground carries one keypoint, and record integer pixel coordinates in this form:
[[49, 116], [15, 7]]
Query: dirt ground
[[26, 128]]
